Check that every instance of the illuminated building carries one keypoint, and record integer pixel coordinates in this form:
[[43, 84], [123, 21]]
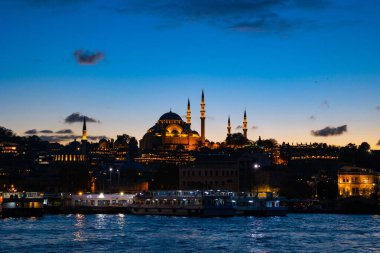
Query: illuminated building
[[310, 151], [229, 127], [8, 148], [203, 119], [245, 129], [355, 181], [172, 133]]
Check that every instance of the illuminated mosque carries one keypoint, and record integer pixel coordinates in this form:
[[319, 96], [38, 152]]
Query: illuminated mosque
[[171, 132]]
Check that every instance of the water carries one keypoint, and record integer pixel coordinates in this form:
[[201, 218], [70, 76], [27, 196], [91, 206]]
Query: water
[[127, 233]]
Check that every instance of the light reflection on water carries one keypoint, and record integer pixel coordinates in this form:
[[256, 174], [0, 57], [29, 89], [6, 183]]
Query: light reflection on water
[[121, 233]]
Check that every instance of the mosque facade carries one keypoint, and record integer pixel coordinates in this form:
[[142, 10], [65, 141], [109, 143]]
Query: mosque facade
[[171, 132]]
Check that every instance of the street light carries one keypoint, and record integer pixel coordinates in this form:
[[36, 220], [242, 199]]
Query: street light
[[118, 177], [256, 167], [111, 176]]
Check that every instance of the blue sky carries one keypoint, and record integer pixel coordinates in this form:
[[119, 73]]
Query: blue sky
[[296, 66]]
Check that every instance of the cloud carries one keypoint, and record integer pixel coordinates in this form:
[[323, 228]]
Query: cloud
[[66, 138], [325, 104], [330, 131], [254, 127], [312, 117], [65, 131], [85, 57], [239, 15], [77, 117], [210, 117], [378, 108], [239, 127], [32, 131], [378, 143], [46, 131]]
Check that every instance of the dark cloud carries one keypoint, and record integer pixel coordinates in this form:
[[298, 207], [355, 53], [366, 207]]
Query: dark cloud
[[96, 138], [65, 131], [330, 131], [66, 138], [254, 127], [77, 117], [85, 57], [32, 131], [378, 108], [378, 143], [46, 131], [239, 127], [325, 104], [312, 117], [240, 15]]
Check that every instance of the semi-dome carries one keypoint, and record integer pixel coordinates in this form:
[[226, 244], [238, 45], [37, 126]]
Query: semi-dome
[[170, 116]]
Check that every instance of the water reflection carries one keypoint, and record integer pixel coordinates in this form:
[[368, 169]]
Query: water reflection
[[100, 221], [120, 220], [79, 225]]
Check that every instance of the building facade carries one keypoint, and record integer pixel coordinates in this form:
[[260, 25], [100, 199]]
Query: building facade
[[355, 181]]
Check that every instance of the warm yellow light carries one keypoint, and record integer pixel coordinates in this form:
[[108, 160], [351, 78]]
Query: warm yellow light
[[121, 193], [80, 193]]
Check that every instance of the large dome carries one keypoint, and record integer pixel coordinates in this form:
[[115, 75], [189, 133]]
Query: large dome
[[170, 116]]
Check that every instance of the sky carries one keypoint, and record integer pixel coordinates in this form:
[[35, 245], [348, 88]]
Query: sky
[[305, 71]]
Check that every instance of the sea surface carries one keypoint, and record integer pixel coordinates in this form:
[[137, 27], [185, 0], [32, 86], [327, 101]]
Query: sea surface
[[127, 233]]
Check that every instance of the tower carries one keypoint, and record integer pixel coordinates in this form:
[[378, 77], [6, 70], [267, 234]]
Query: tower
[[203, 118], [188, 114], [229, 127], [84, 131], [245, 124]]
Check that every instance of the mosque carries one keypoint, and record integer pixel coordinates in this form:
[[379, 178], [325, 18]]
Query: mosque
[[171, 132]]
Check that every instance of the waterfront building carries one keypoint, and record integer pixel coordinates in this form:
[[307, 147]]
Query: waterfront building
[[355, 181], [212, 172]]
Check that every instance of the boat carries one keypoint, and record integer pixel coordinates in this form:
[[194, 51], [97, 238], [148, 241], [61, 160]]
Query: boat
[[262, 204], [183, 203], [21, 204], [88, 203]]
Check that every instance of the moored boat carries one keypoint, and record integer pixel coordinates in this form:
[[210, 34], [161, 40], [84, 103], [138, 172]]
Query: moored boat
[[183, 203], [262, 204], [25, 204]]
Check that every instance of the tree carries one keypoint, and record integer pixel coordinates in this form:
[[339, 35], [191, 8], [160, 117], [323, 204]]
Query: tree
[[237, 139], [7, 134], [364, 147], [122, 141]]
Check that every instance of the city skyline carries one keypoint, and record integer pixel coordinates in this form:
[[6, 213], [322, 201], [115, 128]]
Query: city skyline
[[295, 67]]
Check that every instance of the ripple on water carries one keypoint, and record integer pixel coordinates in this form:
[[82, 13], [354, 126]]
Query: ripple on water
[[121, 233]]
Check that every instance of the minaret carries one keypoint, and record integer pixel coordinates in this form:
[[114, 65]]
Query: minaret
[[229, 127], [84, 131], [245, 124], [203, 117], [188, 115]]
